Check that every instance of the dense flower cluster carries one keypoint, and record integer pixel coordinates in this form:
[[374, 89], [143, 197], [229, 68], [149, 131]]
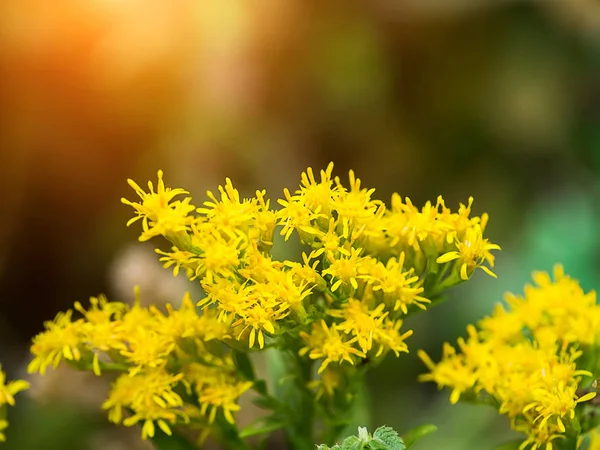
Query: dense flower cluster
[[154, 350], [530, 361], [364, 268], [7, 393]]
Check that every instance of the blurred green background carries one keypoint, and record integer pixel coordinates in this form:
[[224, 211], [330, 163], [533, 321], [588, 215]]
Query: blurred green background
[[495, 99]]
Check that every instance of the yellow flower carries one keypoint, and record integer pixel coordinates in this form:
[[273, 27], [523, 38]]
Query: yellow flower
[[147, 348], [326, 343], [216, 387], [360, 322], [525, 358], [355, 203], [306, 272], [594, 440], [219, 256], [296, 215], [251, 306], [8, 390], [100, 331], [180, 259], [230, 212], [3, 426], [345, 269], [331, 244], [159, 213], [61, 340], [543, 308], [259, 317], [224, 397], [317, 195], [151, 397], [399, 287], [452, 371], [473, 251], [389, 338], [186, 322], [406, 225], [7, 393]]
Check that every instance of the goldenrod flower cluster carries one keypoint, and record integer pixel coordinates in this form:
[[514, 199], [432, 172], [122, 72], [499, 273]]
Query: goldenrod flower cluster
[[531, 361], [365, 267], [7, 393], [164, 359]]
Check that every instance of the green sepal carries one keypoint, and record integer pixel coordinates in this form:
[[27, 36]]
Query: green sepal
[[416, 434]]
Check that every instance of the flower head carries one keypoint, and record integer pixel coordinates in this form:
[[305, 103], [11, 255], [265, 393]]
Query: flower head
[[160, 214], [525, 359], [7, 393]]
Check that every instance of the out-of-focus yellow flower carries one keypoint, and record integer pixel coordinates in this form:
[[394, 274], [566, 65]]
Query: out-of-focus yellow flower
[[594, 440], [525, 358], [151, 397], [7, 393], [152, 350], [61, 340]]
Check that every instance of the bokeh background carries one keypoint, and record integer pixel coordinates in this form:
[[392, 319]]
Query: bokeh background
[[495, 99]]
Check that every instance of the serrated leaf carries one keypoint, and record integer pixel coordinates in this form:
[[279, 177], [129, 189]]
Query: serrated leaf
[[417, 433], [387, 439], [352, 443], [323, 447], [377, 445]]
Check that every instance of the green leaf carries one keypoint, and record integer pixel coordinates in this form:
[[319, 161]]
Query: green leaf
[[260, 386], [585, 443], [263, 426], [352, 443], [266, 402], [417, 433], [244, 365], [386, 438]]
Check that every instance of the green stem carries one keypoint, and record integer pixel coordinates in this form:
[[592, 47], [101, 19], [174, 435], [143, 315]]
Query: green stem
[[345, 420], [291, 375]]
